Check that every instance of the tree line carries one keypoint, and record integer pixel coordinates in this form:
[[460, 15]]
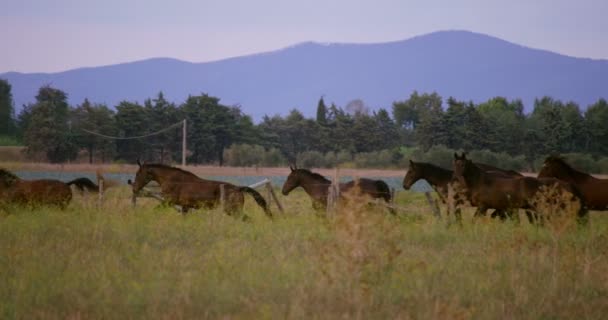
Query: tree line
[[52, 130]]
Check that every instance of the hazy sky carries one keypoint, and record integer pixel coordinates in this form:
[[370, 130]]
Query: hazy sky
[[56, 35]]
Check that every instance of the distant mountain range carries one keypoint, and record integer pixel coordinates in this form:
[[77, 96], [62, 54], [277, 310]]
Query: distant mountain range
[[462, 64]]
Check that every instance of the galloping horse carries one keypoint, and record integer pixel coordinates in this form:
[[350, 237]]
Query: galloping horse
[[488, 190], [317, 187], [593, 189], [183, 188], [33, 192], [439, 178]]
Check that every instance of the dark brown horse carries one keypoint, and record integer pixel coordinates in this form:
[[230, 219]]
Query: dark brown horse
[[317, 187], [183, 188], [489, 190], [33, 192], [593, 189], [85, 184], [439, 179]]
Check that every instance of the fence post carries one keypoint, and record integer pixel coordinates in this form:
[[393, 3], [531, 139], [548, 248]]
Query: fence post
[[100, 200], [433, 205], [274, 196], [222, 197]]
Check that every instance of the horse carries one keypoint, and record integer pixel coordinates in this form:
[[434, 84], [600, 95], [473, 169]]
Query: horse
[[184, 188], [593, 189], [85, 184], [489, 190], [317, 187], [440, 178], [14, 190]]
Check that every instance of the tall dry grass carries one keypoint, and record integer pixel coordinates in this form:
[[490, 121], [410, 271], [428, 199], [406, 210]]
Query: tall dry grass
[[149, 262]]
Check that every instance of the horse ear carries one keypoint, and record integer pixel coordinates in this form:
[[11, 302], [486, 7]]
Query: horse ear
[[411, 162], [456, 157], [291, 168], [138, 162]]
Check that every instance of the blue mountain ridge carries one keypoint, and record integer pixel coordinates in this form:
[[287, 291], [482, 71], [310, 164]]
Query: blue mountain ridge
[[462, 64]]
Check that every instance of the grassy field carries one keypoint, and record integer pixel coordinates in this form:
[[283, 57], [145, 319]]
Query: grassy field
[[117, 262]]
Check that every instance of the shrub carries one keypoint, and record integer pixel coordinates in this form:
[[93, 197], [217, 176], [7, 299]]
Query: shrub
[[602, 165], [245, 155], [380, 159]]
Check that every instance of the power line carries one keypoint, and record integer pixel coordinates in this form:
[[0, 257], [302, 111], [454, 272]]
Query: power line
[[135, 137]]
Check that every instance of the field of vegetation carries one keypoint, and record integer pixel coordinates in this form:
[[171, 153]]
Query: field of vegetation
[[150, 262]]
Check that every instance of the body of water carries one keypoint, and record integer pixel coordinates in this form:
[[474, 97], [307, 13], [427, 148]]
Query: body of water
[[277, 181]]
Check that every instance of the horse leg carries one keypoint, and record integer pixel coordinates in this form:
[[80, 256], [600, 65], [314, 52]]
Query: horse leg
[[532, 216], [479, 213]]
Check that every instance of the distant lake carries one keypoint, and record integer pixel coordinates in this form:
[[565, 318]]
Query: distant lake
[[277, 181]]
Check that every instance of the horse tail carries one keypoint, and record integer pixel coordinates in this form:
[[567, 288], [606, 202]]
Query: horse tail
[[84, 183], [258, 198]]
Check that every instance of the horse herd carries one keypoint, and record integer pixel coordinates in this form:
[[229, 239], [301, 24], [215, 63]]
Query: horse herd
[[558, 187]]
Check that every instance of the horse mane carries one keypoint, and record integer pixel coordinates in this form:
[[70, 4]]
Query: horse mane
[[562, 162], [312, 174], [8, 175], [428, 165], [164, 166]]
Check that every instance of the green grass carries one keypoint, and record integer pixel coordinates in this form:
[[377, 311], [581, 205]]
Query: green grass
[[117, 262]]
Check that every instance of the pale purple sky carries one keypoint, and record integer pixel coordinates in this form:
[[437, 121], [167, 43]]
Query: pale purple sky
[[57, 35]]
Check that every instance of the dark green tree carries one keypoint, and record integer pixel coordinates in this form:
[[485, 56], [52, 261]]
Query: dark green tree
[[99, 119], [161, 114], [7, 112], [48, 133], [596, 121], [212, 127], [321, 112], [132, 121]]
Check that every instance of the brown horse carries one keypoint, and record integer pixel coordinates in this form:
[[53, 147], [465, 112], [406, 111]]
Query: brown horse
[[593, 189], [439, 179], [488, 190], [317, 187], [183, 188], [33, 192]]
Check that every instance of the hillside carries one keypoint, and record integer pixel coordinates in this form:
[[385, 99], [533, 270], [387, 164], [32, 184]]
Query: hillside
[[462, 64]]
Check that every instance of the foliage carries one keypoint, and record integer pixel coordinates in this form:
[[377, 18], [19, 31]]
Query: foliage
[[494, 130], [7, 113], [47, 132], [246, 155], [95, 118], [151, 262]]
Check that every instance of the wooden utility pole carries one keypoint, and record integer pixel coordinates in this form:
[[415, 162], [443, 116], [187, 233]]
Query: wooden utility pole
[[184, 144]]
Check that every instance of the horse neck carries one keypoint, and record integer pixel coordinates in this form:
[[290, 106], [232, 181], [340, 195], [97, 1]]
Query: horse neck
[[162, 175], [473, 175], [311, 184], [577, 176], [436, 176]]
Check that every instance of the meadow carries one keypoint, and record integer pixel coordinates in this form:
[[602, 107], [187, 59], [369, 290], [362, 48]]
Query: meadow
[[149, 262]]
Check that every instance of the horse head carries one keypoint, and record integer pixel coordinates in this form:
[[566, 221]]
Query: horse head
[[293, 180], [414, 173], [142, 177], [459, 165]]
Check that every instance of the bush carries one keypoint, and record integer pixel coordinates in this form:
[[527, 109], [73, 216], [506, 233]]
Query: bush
[[438, 155], [312, 159], [500, 160], [380, 159], [7, 141], [582, 162], [602, 165], [245, 155]]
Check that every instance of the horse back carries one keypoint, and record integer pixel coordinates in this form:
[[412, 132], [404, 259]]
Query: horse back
[[595, 192], [44, 191], [373, 188]]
